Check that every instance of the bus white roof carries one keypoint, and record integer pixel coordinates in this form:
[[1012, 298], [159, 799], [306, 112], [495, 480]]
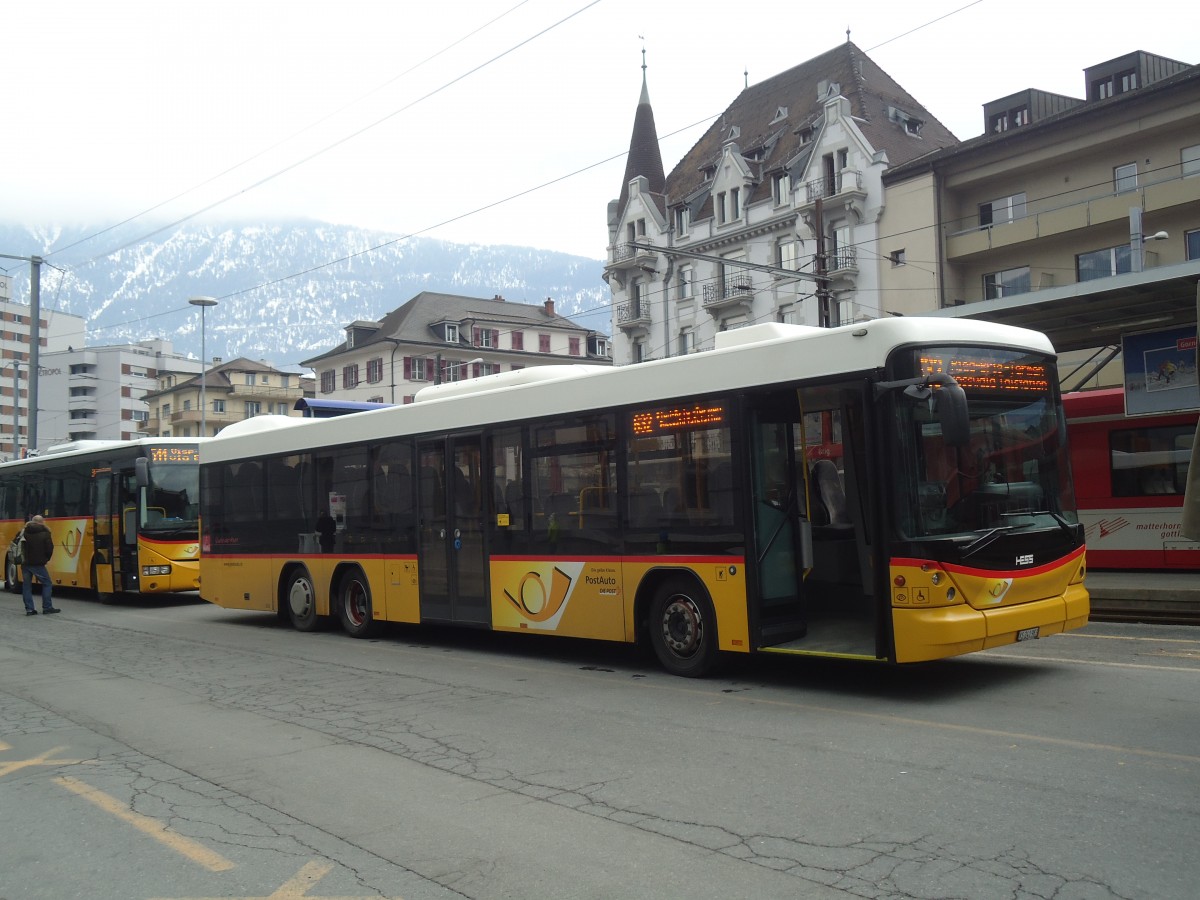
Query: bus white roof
[[757, 355]]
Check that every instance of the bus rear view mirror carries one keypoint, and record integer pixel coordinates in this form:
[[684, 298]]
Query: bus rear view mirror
[[951, 403]]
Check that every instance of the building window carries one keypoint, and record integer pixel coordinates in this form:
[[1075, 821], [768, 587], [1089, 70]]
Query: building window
[[787, 256], [896, 257], [543, 343], [253, 408], [518, 340], [451, 334], [349, 376], [722, 212], [601, 347], [683, 219], [781, 188], [687, 341], [1192, 239], [416, 368], [328, 382], [573, 346], [1125, 177], [218, 406], [684, 287], [1189, 160], [735, 203], [1103, 263], [487, 338], [1005, 209], [488, 368], [187, 405], [1006, 283], [166, 411], [1103, 88], [375, 370], [639, 351], [1126, 81]]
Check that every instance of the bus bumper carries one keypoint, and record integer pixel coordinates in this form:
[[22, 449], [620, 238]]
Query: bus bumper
[[925, 634]]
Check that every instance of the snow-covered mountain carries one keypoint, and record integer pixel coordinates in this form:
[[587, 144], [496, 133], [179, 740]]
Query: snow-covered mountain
[[285, 289]]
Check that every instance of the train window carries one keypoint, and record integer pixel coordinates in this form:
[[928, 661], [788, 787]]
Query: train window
[[1150, 461]]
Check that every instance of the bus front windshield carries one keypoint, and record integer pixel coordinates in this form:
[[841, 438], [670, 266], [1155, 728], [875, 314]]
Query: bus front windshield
[[1012, 472], [172, 503]]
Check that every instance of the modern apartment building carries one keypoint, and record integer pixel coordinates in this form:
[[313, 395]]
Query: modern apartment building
[[436, 338], [99, 392], [57, 331], [1079, 217], [227, 392], [786, 183]]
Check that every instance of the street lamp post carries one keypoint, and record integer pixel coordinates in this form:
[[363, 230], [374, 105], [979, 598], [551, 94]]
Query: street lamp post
[[204, 303]]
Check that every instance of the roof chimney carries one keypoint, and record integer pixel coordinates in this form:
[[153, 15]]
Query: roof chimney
[[498, 298], [549, 307]]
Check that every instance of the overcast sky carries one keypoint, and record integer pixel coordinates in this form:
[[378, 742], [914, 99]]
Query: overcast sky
[[431, 117]]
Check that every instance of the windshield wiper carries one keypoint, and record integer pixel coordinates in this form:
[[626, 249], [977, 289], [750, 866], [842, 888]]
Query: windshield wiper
[[986, 538]]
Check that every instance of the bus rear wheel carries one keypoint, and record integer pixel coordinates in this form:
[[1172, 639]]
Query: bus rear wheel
[[354, 606], [683, 628], [302, 602]]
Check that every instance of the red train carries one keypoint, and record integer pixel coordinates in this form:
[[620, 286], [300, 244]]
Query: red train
[[1130, 473]]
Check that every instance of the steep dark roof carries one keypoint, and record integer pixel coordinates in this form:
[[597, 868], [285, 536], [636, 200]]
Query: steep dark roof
[[870, 90], [644, 157]]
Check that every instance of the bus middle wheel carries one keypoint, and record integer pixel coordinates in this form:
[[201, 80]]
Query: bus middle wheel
[[354, 606]]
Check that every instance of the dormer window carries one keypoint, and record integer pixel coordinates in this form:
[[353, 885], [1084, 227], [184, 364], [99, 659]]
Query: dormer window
[[781, 113], [734, 133], [451, 334]]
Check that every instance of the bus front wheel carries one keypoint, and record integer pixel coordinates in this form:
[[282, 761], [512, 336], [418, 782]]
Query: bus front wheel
[[302, 602], [683, 628], [12, 575], [354, 606]]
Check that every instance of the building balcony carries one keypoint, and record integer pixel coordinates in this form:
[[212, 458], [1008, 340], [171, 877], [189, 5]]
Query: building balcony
[[627, 256], [1060, 215], [846, 186], [734, 290], [843, 261], [634, 315]]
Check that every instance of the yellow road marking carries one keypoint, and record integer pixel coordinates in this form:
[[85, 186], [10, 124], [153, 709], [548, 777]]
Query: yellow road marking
[[42, 760], [295, 888], [197, 853]]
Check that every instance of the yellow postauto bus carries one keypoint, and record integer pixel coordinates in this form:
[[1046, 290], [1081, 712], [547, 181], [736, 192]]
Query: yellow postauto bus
[[894, 491], [122, 514]]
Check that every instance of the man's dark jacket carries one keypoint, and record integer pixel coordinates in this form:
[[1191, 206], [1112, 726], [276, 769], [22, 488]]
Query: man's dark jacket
[[39, 544]]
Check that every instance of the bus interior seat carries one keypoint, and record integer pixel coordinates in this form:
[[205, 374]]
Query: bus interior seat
[[833, 499]]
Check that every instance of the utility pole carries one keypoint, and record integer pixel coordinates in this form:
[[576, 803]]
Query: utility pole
[[824, 313], [35, 343]]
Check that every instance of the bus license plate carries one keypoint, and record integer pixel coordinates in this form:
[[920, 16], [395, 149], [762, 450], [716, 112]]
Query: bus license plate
[[1027, 634]]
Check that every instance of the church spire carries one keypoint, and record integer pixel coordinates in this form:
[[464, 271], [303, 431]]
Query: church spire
[[644, 158]]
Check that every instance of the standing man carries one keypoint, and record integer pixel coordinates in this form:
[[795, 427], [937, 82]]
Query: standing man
[[39, 547]]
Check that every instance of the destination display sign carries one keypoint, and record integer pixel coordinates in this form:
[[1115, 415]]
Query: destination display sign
[[659, 421], [982, 374], [174, 454]]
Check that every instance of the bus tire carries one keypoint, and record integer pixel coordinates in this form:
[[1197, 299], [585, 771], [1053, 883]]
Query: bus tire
[[354, 605], [683, 628], [12, 575], [301, 597]]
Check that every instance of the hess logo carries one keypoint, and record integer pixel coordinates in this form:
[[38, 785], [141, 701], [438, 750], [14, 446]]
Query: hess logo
[[1025, 559]]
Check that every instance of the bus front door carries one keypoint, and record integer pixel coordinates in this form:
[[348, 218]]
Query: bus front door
[[451, 562], [782, 540]]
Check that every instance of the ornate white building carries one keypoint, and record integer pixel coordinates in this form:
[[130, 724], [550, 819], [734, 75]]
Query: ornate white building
[[784, 186]]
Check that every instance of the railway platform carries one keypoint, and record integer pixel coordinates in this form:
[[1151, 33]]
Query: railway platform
[[1166, 597]]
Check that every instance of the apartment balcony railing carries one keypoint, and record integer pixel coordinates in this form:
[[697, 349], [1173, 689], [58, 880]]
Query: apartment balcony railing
[[844, 259], [847, 183], [634, 314], [733, 290], [628, 256]]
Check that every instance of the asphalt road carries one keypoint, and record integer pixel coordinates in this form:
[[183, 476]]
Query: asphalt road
[[171, 749]]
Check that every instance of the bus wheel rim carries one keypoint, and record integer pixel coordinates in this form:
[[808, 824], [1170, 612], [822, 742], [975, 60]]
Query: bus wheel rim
[[682, 626], [300, 597], [356, 604]]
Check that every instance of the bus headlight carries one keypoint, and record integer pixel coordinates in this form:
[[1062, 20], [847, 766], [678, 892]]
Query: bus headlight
[[155, 570]]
